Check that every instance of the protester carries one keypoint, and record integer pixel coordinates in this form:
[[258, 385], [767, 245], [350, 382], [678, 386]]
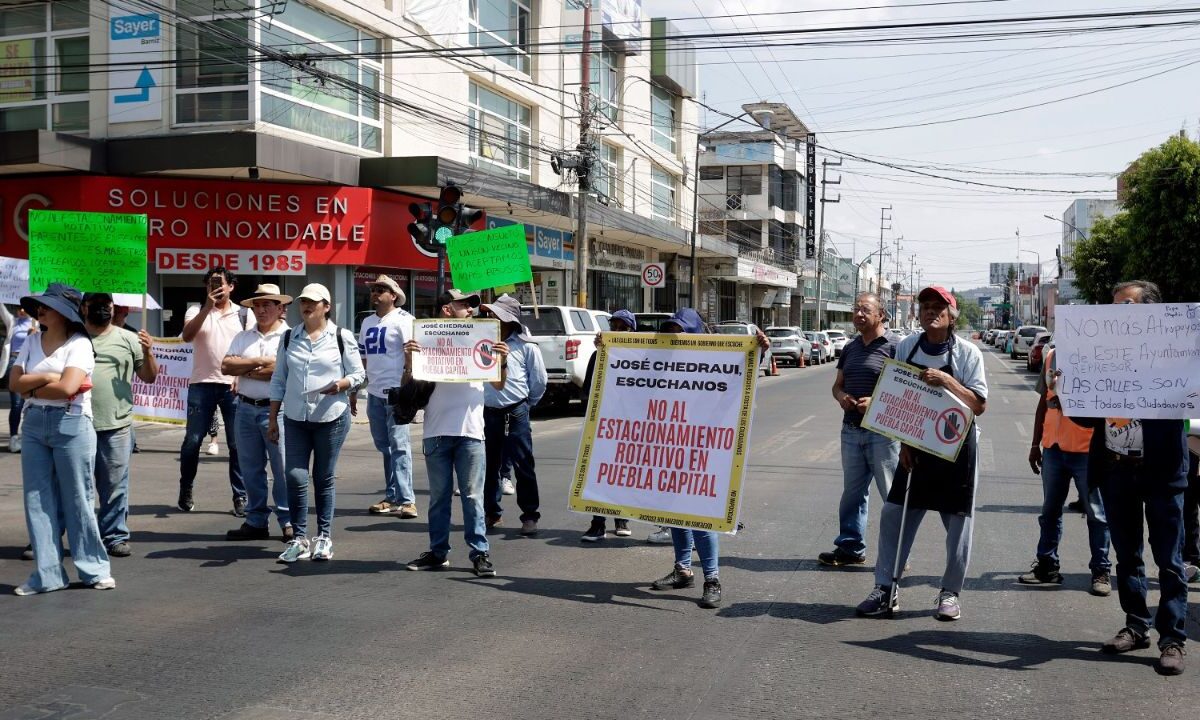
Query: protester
[[507, 434], [381, 342], [121, 318], [930, 482], [317, 365], [620, 321], [454, 446], [120, 355], [1191, 515], [17, 329], [865, 454], [60, 444], [251, 359], [1060, 455], [210, 329], [1140, 466]]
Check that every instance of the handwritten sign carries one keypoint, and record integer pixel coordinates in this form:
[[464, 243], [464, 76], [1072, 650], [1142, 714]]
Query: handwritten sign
[[14, 280], [94, 252], [1129, 361], [166, 400], [905, 408], [667, 430], [489, 258], [456, 350]]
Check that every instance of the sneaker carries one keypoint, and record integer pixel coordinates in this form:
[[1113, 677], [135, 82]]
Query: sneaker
[[407, 511], [185, 499], [947, 606], [288, 533], [429, 561], [494, 520], [27, 553], [595, 533], [239, 507], [213, 448], [25, 589], [14, 444], [677, 579], [457, 492], [105, 584], [1191, 573], [383, 507], [1124, 641], [877, 603], [1101, 584], [622, 528], [1171, 660], [482, 566], [661, 536], [135, 450], [1077, 506], [841, 558], [322, 548], [712, 594], [507, 487], [1042, 572], [529, 528], [120, 549], [297, 549], [247, 531]]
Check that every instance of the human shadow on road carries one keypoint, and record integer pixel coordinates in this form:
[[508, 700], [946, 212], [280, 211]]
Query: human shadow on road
[[816, 613], [165, 511], [589, 592], [1014, 509], [219, 555], [1008, 650]]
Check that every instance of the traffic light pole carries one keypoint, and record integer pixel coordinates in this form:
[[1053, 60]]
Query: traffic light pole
[[441, 272]]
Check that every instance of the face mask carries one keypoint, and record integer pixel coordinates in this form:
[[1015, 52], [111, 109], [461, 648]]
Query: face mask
[[99, 315]]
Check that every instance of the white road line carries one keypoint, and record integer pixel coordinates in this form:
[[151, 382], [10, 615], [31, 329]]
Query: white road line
[[810, 417], [1005, 399], [987, 456], [1021, 428]]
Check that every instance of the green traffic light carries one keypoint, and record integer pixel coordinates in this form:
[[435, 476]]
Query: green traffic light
[[442, 234]]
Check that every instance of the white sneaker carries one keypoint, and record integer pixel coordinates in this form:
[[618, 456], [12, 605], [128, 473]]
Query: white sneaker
[[322, 548], [507, 487], [661, 536], [14, 444], [25, 590], [213, 448], [105, 584], [297, 549]]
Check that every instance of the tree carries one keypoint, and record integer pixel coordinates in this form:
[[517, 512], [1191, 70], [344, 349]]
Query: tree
[[968, 311], [1155, 236]]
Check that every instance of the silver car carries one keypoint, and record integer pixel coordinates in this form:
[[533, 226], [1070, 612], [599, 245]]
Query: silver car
[[789, 344], [823, 347]]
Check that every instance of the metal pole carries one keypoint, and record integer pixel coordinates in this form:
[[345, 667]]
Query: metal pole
[[882, 218], [693, 276], [441, 272], [585, 160], [825, 181]]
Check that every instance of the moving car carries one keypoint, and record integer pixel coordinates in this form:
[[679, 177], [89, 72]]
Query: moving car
[[1037, 353], [788, 343], [745, 328], [1022, 340], [839, 340]]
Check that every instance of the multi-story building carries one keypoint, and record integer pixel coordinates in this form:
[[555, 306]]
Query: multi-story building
[[247, 129], [1077, 221]]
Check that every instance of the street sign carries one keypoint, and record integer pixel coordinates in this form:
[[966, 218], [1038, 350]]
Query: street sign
[[135, 47], [654, 275]]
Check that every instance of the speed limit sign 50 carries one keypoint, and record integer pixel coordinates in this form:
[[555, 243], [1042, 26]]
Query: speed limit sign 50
[[654, 275]]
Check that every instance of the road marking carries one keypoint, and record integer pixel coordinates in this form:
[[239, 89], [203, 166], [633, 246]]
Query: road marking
[[987, 456], [1005, 399], [1021, 428], [822, 454], [810, 417]]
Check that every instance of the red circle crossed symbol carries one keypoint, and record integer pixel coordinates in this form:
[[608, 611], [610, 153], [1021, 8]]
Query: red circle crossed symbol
[[483, 355], [951, 425], [652, 275]]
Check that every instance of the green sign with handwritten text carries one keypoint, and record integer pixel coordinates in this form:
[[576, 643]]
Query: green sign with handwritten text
[[489, 258], [91, 251]]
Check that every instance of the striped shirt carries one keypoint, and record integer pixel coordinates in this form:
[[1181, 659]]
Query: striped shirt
[[860, 365]]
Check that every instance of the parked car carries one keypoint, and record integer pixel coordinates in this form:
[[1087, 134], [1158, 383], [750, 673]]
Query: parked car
[[838, 339], [1022, 340], [825, 348], [567, 338], [650, 321], [788, 343], [745, 328], [1037, 353], [998, 340]]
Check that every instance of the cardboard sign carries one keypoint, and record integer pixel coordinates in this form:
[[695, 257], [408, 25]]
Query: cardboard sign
[[166, 400], [489, 258], [456, 350], [14, 280], [667, 430], [93, 252], [1129, 361], [905, 408]]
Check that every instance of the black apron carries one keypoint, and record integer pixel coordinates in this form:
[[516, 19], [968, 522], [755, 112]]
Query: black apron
[[936, 483]]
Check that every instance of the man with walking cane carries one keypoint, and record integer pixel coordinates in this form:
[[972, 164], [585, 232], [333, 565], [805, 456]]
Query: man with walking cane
[[927, 482]]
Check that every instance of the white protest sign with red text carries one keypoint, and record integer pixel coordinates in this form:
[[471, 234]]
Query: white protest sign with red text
[[456, 350], [667, 430], [905, 408], [166, 400]]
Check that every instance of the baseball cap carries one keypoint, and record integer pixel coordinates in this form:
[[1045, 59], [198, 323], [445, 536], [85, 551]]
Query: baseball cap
[[937, 292], [453, 294], [316, 292]]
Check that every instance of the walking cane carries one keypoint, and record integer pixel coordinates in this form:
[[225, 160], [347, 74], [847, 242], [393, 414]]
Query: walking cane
[[895, 588]]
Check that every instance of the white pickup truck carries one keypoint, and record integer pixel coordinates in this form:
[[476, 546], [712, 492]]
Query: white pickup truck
[[567, 338]]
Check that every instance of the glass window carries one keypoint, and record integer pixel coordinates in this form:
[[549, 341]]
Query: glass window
[[502, 26], [605, 71], [664, 125], [45, 77], [744, 180], [712, 172], [607, 180], [500, 135], [212, 107], [207, 59], [663, 190], [22, 20], [71, 117], [791, 188], [73, 64], [69, 15]]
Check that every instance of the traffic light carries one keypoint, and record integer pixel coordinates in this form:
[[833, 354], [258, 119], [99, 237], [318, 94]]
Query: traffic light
[[448, 205], [424, 227]]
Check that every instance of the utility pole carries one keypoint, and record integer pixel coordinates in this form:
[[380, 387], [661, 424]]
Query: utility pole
[[586, 156], [912, 289], [1017, 290], [825, 181], [895, 292], [883, 217]]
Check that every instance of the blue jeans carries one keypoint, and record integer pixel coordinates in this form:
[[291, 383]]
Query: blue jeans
[[865, 455], [1058, 469], [705, 543], [202, 403], [15, 403], [57, 455], [445, 456], [258, 452], [392, 441], [321, 442], [113, 448], [1128, 494], [509, 441]]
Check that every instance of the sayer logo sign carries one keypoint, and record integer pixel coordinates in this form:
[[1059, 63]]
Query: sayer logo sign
[[133, 27]]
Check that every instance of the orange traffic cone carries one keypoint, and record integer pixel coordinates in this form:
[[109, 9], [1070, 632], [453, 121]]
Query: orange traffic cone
[[774, 367]]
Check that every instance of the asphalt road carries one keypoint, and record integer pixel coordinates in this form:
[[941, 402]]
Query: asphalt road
[[202, 628]]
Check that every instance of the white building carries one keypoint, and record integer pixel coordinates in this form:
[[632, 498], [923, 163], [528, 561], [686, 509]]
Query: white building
[[1077, 221]]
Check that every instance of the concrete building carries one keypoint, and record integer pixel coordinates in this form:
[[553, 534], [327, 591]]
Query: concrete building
[[1077, 221]]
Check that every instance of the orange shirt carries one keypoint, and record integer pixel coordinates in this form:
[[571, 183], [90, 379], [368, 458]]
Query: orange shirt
[[1056, 429]]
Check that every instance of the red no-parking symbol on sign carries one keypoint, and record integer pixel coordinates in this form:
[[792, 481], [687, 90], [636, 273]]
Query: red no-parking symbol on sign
[[654, 275], [951, 425]]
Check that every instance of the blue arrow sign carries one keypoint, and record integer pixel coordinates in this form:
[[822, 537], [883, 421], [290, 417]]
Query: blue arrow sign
[[144, 82]]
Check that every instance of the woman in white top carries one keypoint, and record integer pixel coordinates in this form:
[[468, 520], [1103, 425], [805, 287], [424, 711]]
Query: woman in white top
[[53, 373]]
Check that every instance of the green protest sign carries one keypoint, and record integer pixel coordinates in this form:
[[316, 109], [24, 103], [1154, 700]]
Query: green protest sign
[[94, 252], [485, 259]]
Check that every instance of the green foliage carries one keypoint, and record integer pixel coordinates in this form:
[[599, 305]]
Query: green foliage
[[969, 313], [1099, 259]]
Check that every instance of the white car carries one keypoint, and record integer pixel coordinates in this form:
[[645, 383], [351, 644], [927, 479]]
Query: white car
[[1023, 340], [788, 343], [838, 339], [567, 338]]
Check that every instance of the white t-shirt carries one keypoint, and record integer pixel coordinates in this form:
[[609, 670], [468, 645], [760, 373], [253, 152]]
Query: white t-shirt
[[456, 410], [76, 352], [252, 343], [381, 341]]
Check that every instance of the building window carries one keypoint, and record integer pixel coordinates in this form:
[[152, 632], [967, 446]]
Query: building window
[[664, 120], [744, 180], [316, 104], [212, 71], [44, 77], [712, 172], [791, 190], [606, 83], [500, 133], [614, 291], [663, 191], [746, 233], [608, 176], [502, 26]]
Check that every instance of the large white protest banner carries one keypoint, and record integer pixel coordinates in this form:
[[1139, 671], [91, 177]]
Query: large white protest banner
[[166, 400], [1129, 361], [667, 430], [456, 350], [905, 408]]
